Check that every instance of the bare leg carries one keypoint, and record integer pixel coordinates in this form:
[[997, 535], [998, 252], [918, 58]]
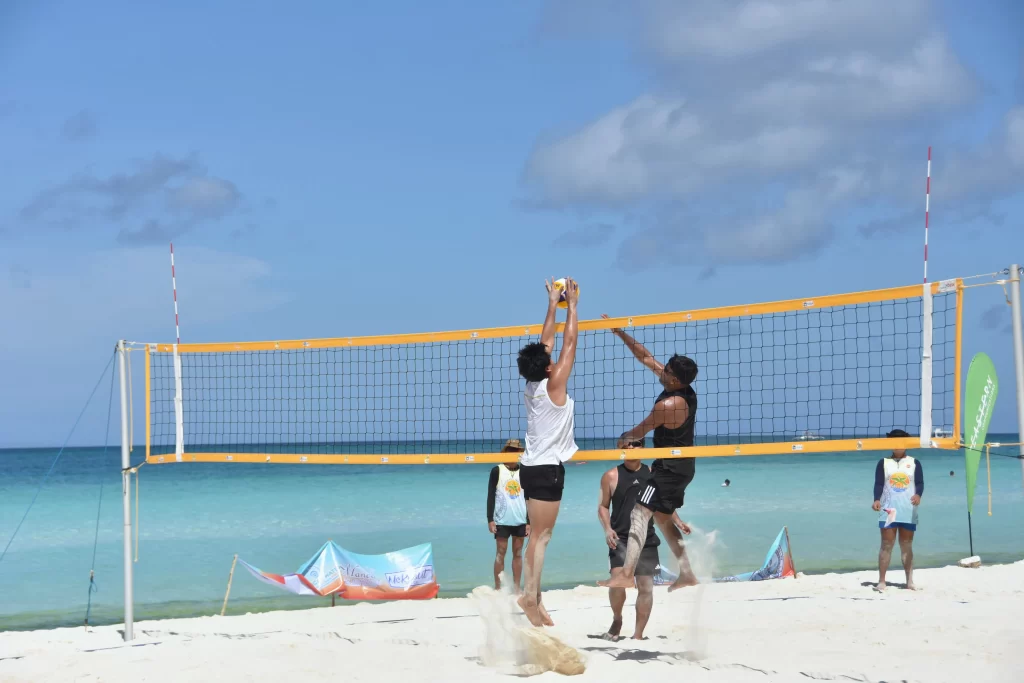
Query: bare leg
[[517, 563], [638, 521], [674, 540], [500, 546], [907, 555], [543, 514], [617, 599], [644, 604], [884, 553]]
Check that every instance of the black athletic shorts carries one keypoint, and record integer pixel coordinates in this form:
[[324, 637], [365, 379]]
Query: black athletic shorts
[[647, 565], [665, 489], [542, 482], [504, 531]]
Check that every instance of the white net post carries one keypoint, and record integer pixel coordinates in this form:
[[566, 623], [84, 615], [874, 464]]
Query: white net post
[[126, 436], [179, 423], [926, 367]]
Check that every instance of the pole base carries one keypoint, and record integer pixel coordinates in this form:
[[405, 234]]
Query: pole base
[[972, 562]]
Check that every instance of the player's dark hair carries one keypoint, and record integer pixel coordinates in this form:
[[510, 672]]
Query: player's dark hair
[[534, 360], [682, 368]]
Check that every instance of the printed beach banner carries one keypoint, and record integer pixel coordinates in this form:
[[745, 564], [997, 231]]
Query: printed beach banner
[[406, 574], [777, 565], [982, 389]]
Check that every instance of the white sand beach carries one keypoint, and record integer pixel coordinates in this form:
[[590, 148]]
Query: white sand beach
[[963, 625]]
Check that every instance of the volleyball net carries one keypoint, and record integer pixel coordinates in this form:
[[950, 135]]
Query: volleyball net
[[833, 373]]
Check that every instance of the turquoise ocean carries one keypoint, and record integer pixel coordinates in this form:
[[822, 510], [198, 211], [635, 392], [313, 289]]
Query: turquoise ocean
[[195, 517]]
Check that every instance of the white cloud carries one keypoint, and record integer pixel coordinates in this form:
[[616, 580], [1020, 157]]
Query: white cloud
[[657, 145], [615, 158], [800, 226], [204, 197], [863, 87], [771, 120], [126, 292], [156, 199], [728, 30]]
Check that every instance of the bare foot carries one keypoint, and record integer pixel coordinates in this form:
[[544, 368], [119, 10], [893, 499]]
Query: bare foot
[[544, 616], [619, 581], [530, 609], [911, 586], [683, 582], [615, 628], [879, 587]]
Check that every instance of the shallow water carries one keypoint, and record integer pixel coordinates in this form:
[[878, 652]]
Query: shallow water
[[195, 517]]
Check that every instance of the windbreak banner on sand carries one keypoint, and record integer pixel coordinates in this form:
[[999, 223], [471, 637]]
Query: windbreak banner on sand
[[777, 565], [400, 575], [982, 389]]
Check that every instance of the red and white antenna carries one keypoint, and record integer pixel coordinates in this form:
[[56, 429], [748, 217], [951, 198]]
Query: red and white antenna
[[927, 195], [174, 288]]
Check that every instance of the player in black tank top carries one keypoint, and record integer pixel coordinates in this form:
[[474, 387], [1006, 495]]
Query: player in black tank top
[[629, 485], [672, 419], [620, 488], [681, 436]]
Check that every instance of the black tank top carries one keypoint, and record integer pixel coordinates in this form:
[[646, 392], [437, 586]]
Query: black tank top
[[624, 498], [681, 435]]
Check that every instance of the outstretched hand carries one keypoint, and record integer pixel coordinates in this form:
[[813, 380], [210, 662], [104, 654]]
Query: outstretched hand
[[680, 524], [615, 330], [553, 294], [572, 292]]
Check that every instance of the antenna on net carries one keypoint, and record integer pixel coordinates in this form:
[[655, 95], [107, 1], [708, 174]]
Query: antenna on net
[[174, 290], [927, 195]]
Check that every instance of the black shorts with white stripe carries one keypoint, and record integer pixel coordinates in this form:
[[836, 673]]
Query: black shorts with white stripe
[[665, 489]]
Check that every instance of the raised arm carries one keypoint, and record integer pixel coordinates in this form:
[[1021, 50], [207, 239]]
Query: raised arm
[[492, 485], [547, 333], [559, 379], [638, 350], [604, 502], [670, 411]]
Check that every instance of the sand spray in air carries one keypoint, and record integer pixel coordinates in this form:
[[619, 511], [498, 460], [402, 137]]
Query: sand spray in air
[[702, 549], [511, 645]]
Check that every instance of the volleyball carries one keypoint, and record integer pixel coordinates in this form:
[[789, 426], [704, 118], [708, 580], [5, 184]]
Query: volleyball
[[560, 288]]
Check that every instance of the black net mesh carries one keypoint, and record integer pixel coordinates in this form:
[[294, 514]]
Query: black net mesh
[[841, 372]]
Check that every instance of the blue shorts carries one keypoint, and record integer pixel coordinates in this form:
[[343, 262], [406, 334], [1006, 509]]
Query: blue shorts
[[898, 525]]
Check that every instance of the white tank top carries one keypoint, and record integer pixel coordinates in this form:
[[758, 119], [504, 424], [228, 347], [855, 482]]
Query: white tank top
[[899, 487], [509, 502], [550, 429]]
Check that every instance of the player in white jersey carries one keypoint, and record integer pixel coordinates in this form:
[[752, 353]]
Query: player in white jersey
[[550, 438], [506, 515]]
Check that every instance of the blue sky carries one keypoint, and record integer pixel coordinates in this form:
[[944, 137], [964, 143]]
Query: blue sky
[[344, 169]]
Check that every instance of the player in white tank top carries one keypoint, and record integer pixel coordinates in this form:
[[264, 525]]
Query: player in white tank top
[[550, 428], [550, 438]]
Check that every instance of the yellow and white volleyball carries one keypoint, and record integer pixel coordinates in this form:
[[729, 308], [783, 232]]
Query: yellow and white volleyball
[[559, 286]]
